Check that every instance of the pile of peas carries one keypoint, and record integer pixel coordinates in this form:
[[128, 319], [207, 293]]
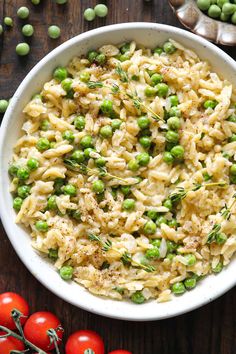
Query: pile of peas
[[224, 10]]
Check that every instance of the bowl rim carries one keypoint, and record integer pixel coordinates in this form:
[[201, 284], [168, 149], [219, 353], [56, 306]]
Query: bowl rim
[[225, 286]]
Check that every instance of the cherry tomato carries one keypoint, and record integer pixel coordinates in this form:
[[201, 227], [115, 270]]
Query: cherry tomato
[[8, 302], [120, 351], [10, 343], [37, 326], [79, 341]]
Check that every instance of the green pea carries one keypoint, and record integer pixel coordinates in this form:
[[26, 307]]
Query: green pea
[[178, 288], [98, 187], [51, 203], [156, 79], [124, 57], [169, 48], [218, 268], [224, 17], [23, 12], [233, 169], [210, 104], [89, 14], [79, 123], [32, 164], [160, 220], [232, 118], [3, 106], [23, 173], [171, 246], [58, 183], [232, 138], [76, 215], [22, 49], [1, 29], [150, 91], [101, 59], [88, 152], [101, 10], [190, 283], [221, 238], [228, 8], [162, 89], [92, 56], [17, 202], [84, 76], [60, 73], [168, 158], [86, 142], [45, 125], [70, 190], [158, 50], [53, 254], [174, 101], [156, 242], [204, 4], [13, 170], [35, 2], [145, 141], [233, 18], [8, 21], [27, 30], [125, 189], [66, 84], [115, 124], [52, 144], [214, 11], [54, 32], [168, 204], [172, 136], [143, 122], [100, 162], [138, 297], [78, 156], [149, 228], [173, 123], [143, 159], [178, 152], [125, 48], [191, 259], [69, 136], [174, 112], [107, 107], [128, 204], [66, 272], [152, 253], [173, 223], [41, 226], [106, 132], [152, 214], [23, 191], [170, 256], [133, 165]]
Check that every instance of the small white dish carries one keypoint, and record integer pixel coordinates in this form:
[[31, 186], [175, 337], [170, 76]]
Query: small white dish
[[150, 35]]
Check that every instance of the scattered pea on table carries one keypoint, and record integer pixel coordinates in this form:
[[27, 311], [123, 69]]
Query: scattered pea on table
[[22, 49], [54, 32], [27, 30], [23, 12]]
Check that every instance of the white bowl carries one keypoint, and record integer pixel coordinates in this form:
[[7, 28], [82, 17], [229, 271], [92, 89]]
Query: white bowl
[[150, 35]]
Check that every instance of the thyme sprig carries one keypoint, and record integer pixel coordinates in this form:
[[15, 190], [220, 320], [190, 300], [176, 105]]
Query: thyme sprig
[[82, 168], [180, 193], [226, 213], [125, 257]]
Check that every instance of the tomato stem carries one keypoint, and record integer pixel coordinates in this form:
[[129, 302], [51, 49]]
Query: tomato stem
[[21, 338], [54, 338]]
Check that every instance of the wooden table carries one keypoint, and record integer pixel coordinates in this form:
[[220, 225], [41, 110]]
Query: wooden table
[[208, 330]]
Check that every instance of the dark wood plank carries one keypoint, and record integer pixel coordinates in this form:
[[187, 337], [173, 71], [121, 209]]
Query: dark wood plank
[[208, 330]]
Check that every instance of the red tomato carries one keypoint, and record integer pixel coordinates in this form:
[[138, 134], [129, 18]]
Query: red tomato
[[37, 326], [120, 351], [10, 343], [79, 341], [8, 302]]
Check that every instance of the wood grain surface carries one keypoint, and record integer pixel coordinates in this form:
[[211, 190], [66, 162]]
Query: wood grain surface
[[208, 330]]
